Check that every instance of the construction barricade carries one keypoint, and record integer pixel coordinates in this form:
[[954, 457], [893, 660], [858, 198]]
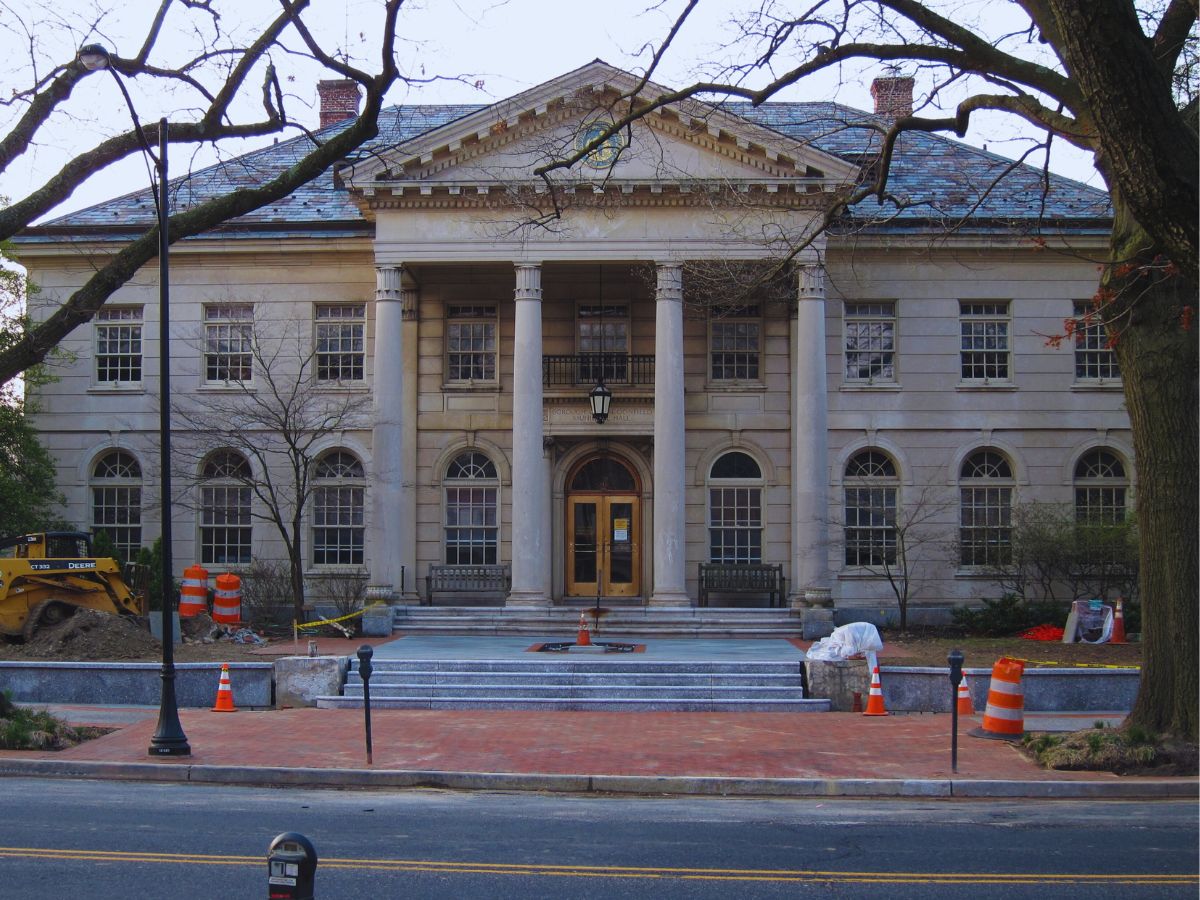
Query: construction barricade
[[227, 600], [193, 594], [1004, 717]]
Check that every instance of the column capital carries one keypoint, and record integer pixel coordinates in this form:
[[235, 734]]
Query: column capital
[[670, 281], [529, 281], [409, 294], [388, 283], [811, 281]]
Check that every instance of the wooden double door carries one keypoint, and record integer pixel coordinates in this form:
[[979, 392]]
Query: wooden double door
[[603, 545]]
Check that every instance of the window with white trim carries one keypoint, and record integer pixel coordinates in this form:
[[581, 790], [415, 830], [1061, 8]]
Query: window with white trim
[[1101, 488], [119, 345], [735, 521], [985, 353], [338, 510], [985, 510], [340, 341], [471, 342], [870, 342], [870, 488], [117, 501], [228, 343], [225, 496], [735, 344], [472, 531], [1095, 359]]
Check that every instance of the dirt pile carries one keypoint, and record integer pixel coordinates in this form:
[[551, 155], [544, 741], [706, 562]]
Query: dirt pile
[[91, 635]]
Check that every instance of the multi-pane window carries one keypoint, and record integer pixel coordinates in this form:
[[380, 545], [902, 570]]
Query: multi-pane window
[[119, 345], [471, 343], [985, 350], [985, 510], [340, 338], [225, 527], [472, 532], [1094, 356], [870, 342], [603, 342], [735, 509], [736, 344], [339, 523], [117, 501], [1100, 488], [870, 494], [228, 343]]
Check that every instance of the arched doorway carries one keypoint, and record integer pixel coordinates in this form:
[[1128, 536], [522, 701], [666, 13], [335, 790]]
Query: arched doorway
[[603, 529]]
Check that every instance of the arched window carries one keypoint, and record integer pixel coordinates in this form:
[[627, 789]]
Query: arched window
[[472, 531], [871, 487], [225, 528], [338, 518], [985, 510], [117, 501], [735, 509], [1100, 488]]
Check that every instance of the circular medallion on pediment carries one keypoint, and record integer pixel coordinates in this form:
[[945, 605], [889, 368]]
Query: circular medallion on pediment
[[605, 154]]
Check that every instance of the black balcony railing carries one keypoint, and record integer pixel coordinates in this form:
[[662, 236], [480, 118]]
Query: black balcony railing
[[588, 368]]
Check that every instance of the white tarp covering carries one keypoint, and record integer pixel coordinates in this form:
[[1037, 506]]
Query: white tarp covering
[[1090, 622], [846, 641]]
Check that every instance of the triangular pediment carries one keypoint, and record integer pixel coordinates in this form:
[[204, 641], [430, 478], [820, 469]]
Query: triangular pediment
[[686, 145]]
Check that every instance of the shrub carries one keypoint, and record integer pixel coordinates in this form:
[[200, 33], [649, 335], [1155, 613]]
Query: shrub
[[1008, 615], [267, 594]]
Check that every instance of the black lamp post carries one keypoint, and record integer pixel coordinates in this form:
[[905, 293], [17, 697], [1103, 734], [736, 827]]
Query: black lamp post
[[600, 399], [169, 739]]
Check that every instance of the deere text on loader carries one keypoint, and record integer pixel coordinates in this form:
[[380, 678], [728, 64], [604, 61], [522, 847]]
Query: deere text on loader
[[45, 577]]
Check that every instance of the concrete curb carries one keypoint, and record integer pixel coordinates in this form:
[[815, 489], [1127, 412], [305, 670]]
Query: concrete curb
[[930, 788]]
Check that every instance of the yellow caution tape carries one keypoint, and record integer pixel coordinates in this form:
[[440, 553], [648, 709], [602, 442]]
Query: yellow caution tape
[[338, 619], [1073, 665]]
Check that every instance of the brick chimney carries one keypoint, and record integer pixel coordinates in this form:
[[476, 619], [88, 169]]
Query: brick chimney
[[893, 96], [339, 100]]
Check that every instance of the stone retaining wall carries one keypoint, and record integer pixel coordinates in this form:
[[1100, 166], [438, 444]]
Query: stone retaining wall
[[134, 683], [911, 689]]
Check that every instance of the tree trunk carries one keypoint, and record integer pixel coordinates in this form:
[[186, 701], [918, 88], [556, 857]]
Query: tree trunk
[[1157, 350]]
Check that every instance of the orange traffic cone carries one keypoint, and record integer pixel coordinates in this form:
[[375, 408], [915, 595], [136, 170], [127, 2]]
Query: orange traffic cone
[[224, 692], [585, 637], [1004, 717], [966, 706], [1118, 629], [875, 698]]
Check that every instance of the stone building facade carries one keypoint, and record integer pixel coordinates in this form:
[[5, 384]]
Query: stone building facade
[[894, 367]]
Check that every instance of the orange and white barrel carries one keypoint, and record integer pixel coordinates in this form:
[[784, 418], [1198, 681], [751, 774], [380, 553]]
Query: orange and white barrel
[[1004, 717], [227, 600], [193, 595]]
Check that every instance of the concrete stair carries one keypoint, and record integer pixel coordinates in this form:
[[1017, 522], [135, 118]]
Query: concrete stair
[[616, 621], [580, 683]]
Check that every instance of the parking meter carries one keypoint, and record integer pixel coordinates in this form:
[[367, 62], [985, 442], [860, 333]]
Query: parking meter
[[364, 670], [955, 659], [291, 867]]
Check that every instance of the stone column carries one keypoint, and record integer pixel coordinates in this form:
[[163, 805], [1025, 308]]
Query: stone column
[[388, 524], [670, 545], [530, 552], [810, 444], [410, 593]]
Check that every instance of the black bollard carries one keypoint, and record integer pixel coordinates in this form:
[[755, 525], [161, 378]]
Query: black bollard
[[364, 670], [956, 663]]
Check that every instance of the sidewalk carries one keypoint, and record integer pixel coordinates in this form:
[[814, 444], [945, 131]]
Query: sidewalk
[[779, 754]]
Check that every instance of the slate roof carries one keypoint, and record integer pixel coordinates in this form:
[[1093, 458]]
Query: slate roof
[[944, 179]]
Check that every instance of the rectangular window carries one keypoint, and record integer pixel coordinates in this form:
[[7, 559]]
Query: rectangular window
[[340, 337], [985, 341], [119, 345], [735, 525], [117, 511], [870, 342], [471, 343], [471, 528], [736, 344], [1100, 505], [225, 525], [338, 526], [870, 531], [985, 526], [228, 343], [603, 343], [1094, 358]]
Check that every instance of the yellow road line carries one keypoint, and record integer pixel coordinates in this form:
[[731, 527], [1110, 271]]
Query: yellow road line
[[626, 872]]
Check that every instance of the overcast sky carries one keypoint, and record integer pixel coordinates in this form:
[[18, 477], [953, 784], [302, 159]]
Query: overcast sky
[[508, 46]]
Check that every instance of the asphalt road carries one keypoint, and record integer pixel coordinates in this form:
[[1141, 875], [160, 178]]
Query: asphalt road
[[61, 838]]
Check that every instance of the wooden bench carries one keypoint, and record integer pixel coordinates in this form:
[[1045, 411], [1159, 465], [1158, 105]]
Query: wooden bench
[[742, 578], [483, 579]]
